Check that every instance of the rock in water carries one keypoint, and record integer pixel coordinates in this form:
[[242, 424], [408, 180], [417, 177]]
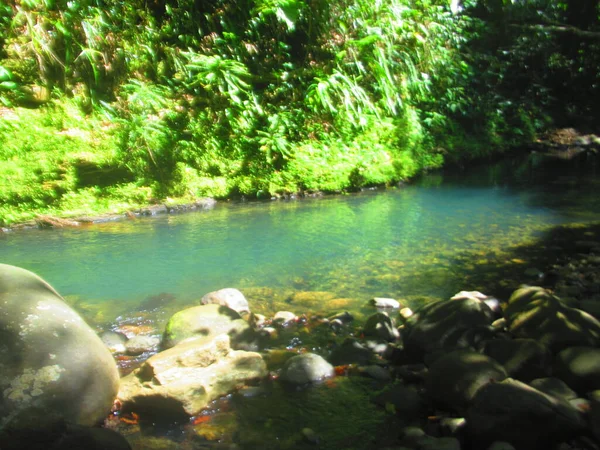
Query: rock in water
[[306, 368], [186, 378], [208, 321], [52, 364], [230, 297]]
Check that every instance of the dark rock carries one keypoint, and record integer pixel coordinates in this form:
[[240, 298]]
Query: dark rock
[[412, 373], [595, 413], [454, 379], [446, 325], [407, 403], [523, 359], [516, 413], [535, 313], [48, 435], [306, 368], [52, 364], [554, 387], [579, 367], [380, 326]]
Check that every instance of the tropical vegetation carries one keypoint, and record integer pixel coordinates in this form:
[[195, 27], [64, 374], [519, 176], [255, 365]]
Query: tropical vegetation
[[108, 105]]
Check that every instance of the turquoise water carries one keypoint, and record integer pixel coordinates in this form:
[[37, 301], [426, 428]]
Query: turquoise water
[[409, 242]]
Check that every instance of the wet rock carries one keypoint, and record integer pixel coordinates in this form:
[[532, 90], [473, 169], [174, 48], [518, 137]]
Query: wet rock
[[405, 401], [232, 298], [59, 435], [351, 351], [385, 303], [405, 313], [591, 307], [344, 317], [412, 373], [306, 368], [141, 344], [501, 445], [554, 387], [579, 367], [594, 416], [444, 443], [454, 379], [380, 326], [257, 321], [284, 318], [114, 341], [184, 379], [376, 372], [208, 321], [535, 313], [52, 364], [446, 325], [524, 359], [528, 419]]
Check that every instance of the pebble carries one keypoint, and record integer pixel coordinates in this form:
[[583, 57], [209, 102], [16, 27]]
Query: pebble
[[381, 302]]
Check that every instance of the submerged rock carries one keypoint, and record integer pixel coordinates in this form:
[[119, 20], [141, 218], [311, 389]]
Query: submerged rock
[[385, 303], [380, 326], [524, 359], [306, 368], [447, 325], [516, 413], [230, 297], [186, 378], [535, 313], [141, 344], [208, 321], [454, 379], [52, 364], [114, 341], [579, 367]]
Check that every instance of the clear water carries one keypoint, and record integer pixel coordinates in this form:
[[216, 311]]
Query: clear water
[[408, 243], [416, 243]]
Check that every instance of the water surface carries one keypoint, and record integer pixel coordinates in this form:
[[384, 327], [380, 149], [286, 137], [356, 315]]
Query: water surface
[[326, 254]]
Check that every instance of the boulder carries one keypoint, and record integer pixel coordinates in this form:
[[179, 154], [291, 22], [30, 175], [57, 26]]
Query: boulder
[[380, 326], [524, 359], [579, 367], [528, 419], [60, 435], [405, 401], [454, 379], [554, 387], [141, 344], [114, 341], [535, 313], [447, 325], [52, 364], [208, 321], [184, 379], [232, 298], [306, 368], [351, 352]]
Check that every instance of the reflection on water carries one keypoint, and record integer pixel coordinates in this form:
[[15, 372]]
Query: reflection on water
[[403, 243]]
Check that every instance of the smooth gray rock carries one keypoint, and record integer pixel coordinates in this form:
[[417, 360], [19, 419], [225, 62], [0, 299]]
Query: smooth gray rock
[[208, 321], [141, 344], [306, 368], [579, 367], [524, 359], [114, 341], [514, 412], [454, 379], [52, 364], [380, 326], [230, 297], [447, 325]]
